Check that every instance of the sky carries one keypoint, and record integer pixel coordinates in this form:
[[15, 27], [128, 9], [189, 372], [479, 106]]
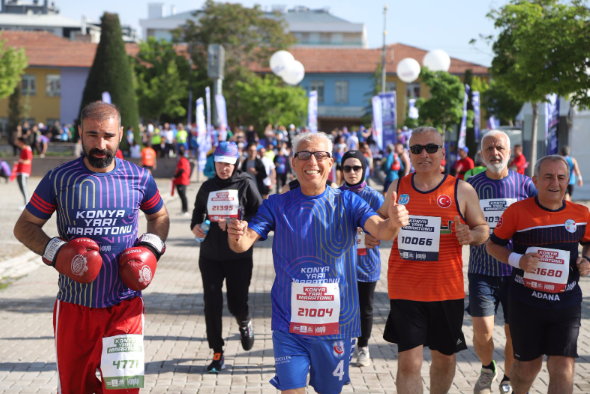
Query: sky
[[428, 24]]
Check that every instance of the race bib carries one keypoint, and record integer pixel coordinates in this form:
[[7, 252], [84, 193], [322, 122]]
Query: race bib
[[552, 271], [315, 309], [122, 362], [223, 204], [493, 209], [420, 239], [361, 249]]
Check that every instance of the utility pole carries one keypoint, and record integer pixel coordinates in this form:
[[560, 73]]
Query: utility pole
[[190, 94], [383, 71]]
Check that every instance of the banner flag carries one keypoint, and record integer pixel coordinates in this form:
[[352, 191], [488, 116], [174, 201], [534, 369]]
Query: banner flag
[[463, 130], [221, 111], [412, 110], [202, 135], [389, 118], [551, 124], [476, 111], [312, 112], [377, 121], [106, 97]]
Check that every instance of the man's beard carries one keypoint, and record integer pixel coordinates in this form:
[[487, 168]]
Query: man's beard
[[497, 168], [99, 162]]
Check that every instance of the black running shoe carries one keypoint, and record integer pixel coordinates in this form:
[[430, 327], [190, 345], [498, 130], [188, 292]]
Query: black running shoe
[[217, 364], [247, 334]]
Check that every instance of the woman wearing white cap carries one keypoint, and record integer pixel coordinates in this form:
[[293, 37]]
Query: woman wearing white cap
[[229, 194]]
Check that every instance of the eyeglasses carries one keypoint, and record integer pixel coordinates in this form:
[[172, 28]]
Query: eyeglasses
[[306, 155], [430, 148], [352, 168]]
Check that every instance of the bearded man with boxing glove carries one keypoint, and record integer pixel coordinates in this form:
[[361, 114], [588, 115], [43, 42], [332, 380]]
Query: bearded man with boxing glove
[[103, 265]]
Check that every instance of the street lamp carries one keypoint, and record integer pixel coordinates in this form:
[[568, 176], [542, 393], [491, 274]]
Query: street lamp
[[383, 72]]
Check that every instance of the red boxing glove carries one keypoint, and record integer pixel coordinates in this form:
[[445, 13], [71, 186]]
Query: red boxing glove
[[137, 266], [78, 259]]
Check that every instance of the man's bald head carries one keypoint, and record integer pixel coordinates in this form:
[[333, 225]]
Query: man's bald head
[[100, 111]]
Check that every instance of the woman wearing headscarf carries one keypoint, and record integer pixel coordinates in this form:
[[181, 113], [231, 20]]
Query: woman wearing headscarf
[[354, 167], [229, 194]]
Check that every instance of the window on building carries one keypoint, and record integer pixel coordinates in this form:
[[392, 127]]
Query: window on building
[[29, 84], [318, 86], [53, 85], [390, 86], [337, 38], [413, 90], [341, 94], [314, 38]]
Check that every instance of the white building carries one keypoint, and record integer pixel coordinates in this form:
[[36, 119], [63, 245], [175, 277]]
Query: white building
[[33, 16], [311, 27]]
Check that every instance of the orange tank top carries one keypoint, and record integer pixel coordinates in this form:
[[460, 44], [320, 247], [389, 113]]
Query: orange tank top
[[426, 263]]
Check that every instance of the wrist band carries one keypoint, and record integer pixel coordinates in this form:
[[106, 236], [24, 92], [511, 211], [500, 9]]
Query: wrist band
[[514, 259]]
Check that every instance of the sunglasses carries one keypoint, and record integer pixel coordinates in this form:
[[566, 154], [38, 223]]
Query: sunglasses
[[305, 155], [352, 168], [430, 148]]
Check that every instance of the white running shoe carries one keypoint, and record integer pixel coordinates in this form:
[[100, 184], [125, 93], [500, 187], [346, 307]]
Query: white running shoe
[[505, 387], [363, 357]]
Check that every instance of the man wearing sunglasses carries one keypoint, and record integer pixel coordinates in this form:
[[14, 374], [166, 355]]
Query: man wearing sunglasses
[[315, 301], [425, 275]]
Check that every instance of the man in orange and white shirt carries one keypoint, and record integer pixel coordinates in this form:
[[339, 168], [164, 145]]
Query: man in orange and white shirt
[[425, 276], [545, 299]]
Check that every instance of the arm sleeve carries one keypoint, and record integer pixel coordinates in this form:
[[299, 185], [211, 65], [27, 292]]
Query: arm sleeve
[[152, 201], [44, 200], [264, 221], [359, 209], [200, 206], [506, 227]]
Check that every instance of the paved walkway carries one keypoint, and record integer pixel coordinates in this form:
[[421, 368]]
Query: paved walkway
[[176, 349]]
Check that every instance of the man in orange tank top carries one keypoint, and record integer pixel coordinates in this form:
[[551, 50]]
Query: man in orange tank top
[[425, 276]]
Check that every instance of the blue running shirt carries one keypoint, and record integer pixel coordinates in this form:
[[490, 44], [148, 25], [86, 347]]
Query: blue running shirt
[[314, 242], [103, 207], [495, 195]]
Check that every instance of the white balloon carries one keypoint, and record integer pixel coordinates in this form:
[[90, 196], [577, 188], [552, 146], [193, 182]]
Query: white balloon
[[280, 62], [408, 70], [294, 73], [437, 60]]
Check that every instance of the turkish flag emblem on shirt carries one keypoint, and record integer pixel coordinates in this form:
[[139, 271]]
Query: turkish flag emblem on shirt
[[444, 201]]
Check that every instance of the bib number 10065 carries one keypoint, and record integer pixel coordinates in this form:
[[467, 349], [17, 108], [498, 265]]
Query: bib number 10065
[[416, 241]]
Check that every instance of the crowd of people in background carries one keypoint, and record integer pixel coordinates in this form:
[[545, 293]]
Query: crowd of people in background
[[266, 156]]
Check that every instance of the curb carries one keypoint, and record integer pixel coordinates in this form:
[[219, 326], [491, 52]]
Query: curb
[[19, 266]]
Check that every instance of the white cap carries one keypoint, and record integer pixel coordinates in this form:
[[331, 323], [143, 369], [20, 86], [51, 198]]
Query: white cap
[[225, 159]]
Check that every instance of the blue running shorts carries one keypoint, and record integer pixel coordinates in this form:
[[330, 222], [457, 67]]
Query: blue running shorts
[[327, 361]]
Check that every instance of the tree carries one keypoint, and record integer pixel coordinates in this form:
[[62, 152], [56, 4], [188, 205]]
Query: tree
[[248, 37], [498, 102], [162, 80], [15, 110], [111, 73], [13, 63], [542, 49], [269, 101], [444, 108]]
